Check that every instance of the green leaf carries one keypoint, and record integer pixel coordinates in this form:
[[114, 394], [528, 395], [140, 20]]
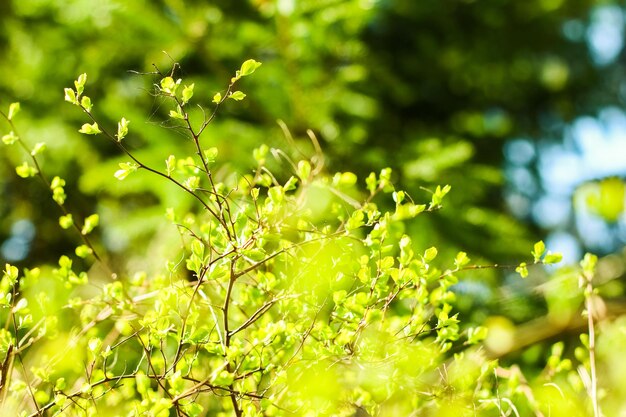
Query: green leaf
[[90, 223], [193, 409], [170, 165], [90, 129], [14, 109], [83, 251], [538, 250], [552, 258], [290, 184], [476, 334], [237, 95], [430, 254], [10, 138], [70, 96], [85, 103], [122, 129], [304, 170], [398, 197], [66, 221], [461, 259], [522, 269], [38, 148], [248, 67], [177, 114], [588, 263], [80, 83], [210, 155], [126, 168], [26, 171], [11, 273], [217, 98], [187, 93], [371, 183], [169, 86]]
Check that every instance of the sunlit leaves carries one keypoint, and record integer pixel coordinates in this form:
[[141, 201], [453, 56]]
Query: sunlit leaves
[[187, 93], [90, 129], [85, 103], [538, 250], [70, 96], [38, 148], [91, 222], [247, 68], [58, 191], [177, 114], [169, 86], [122, 129], [10, 138], [14, 109], [26, 171], [126, 168], [217, 98], [170, 165], [237, 95], [522, 269], [80, 83], [66, 221]]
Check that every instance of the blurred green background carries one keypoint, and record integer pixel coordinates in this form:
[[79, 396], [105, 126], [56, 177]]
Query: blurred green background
[[516, 104]]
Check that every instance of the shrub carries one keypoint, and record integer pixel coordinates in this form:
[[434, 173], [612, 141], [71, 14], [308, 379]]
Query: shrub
[[288, 291]]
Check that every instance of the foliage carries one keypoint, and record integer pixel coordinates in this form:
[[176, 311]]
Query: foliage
[[291, 291]]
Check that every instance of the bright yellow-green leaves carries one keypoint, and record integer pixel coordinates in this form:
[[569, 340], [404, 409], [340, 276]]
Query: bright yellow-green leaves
[[90, 129], [10, 138], [14, 109], [126, 168], [122, 129], [26, 171]]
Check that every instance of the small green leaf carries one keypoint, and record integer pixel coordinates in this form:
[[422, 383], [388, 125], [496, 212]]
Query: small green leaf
[[90, 129], [10, 272], [10, 138], [122, 129], [210, 155], [552, 258], [66, 221], [170, 165], [522, 269], [177, 114], [237, 95], [80, 83], [126, 168], [248, 67], [461, 259], [538, 250], [70, 96], [169, 86], [90, 223], [85, 103], [14, 109], [26, 171], [83, 251], [187, 93], [430, 254], [217, 98], [290, 184], [304, 170], [398, 196], [193, 409], [476, 335], [39, 147], [588, 263]]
